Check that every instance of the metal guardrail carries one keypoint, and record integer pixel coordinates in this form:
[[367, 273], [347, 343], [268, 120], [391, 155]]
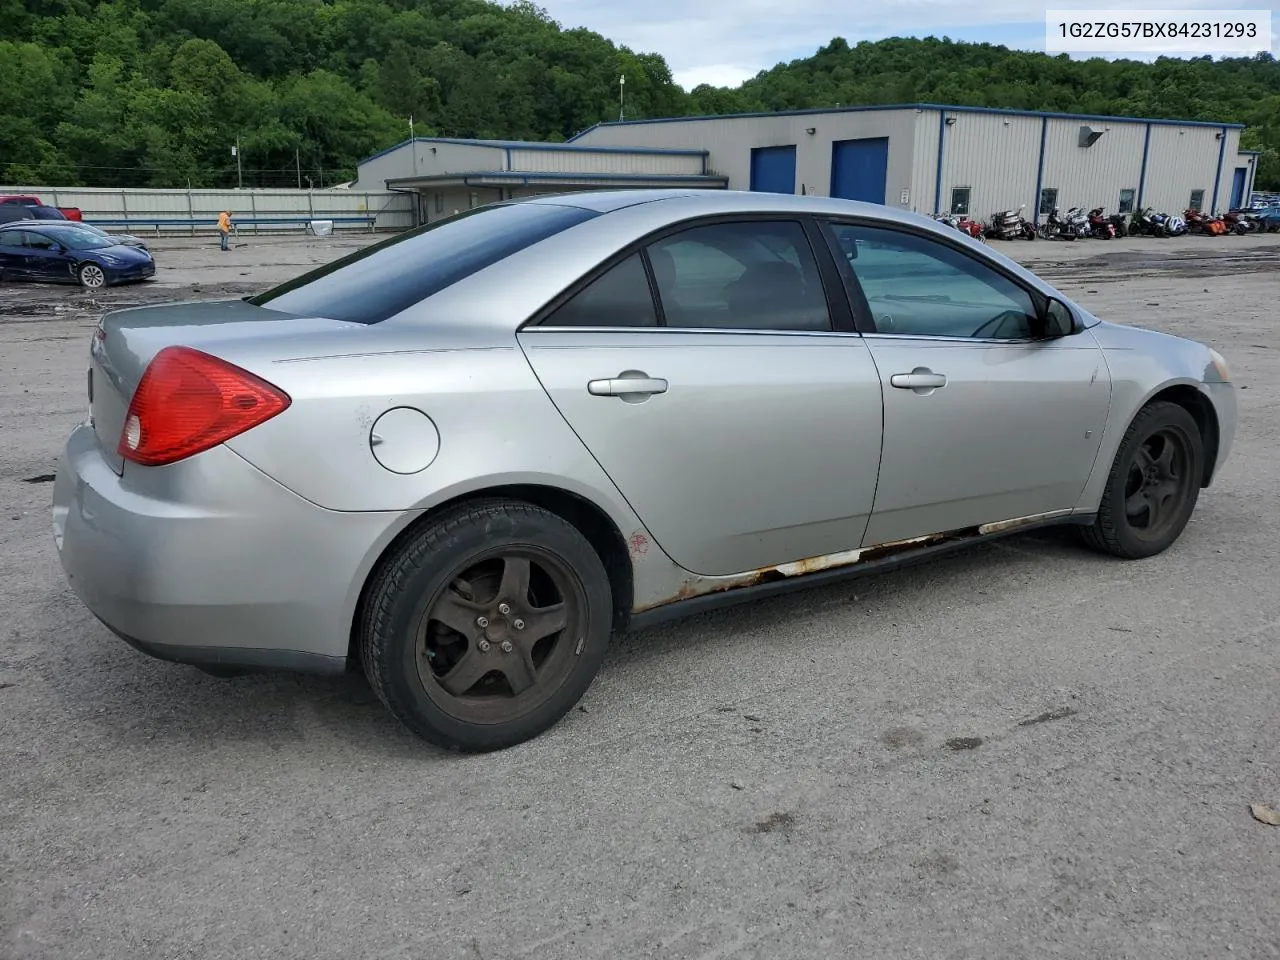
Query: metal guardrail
[[370, 220]]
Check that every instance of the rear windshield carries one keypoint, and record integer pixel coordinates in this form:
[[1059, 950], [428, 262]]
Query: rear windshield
[[383, 279]]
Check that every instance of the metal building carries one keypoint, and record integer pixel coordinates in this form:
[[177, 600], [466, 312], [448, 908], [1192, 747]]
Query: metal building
[[924, 157], [934, 159], [450, 175]]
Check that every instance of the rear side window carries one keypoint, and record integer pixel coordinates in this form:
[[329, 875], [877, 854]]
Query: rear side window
[[620, 297], [383, 279]]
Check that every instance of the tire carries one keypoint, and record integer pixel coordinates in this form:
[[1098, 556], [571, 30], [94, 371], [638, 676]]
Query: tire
[[1117, 531], [91, 276], [408, 652]]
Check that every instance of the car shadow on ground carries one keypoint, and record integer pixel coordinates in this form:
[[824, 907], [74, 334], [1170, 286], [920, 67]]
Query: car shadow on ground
[[149, 703]]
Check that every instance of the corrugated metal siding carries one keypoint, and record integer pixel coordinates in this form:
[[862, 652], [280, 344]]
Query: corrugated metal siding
[[1182, 159], [392, 210], [924, 163], [579, 161], [1093, 176], [996, 157], [446, 158], [729, 141]]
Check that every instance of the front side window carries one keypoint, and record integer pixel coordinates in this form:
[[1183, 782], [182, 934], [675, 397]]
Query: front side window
[[960, 201], [38, 241], [619, 297], [1197, 200], [1126, 201], [758, 275], [383, 279], [915, 286]]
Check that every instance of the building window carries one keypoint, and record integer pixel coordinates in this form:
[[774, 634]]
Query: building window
[[960, 201], [1126, 200], [439, 203], [1048, 200], [1197, 199], [473, 200]]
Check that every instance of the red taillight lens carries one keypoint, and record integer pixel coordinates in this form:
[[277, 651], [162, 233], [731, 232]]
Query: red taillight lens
[[189, 401]]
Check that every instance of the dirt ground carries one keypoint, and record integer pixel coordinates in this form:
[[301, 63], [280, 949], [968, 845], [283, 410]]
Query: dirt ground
[[1022, 751]]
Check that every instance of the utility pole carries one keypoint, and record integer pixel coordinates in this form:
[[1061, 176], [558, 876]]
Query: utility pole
[[622, 88], [413, 146], [235, 152], [297, 162]]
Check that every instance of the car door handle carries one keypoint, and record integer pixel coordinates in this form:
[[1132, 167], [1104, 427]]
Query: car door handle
[[918, 379], [626, 386]]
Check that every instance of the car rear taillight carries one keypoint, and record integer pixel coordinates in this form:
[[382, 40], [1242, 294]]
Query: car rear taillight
[[189, 401]]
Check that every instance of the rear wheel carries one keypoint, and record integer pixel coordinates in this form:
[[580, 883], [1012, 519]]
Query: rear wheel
[[487, 625], [92, 276], [1153, 485]]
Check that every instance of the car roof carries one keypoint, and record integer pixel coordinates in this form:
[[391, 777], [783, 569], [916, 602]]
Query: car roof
[[698, 202]]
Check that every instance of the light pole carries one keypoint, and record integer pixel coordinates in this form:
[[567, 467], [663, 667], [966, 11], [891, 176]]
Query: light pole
[[622, 87], [235, 152]]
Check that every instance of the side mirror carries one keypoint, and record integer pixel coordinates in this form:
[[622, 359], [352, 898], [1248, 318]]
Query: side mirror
[[1059, 320]]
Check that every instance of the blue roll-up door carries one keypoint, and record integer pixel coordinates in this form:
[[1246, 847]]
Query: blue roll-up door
[[1237, 188], [859, 169], [773, 169]]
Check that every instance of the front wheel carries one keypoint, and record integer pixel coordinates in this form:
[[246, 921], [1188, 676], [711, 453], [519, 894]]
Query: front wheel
[[486, 625], [91, 276], [1153, 485]]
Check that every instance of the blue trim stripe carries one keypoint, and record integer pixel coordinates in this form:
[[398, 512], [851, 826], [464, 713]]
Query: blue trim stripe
[[1044, 136], [1142, 176], [521, 176], [937, 180], [912, 106], [1217, 177]]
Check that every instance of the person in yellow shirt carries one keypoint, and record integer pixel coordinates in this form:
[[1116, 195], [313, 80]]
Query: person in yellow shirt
[[224, 228]]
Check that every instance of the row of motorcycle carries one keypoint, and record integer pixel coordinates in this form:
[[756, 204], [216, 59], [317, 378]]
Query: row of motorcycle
[[1076, 224]]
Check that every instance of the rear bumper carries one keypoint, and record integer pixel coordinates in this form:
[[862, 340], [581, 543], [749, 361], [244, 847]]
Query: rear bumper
[[211, 562]]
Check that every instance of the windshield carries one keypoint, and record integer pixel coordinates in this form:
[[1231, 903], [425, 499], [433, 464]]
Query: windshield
[[78, 239], [383, 279]]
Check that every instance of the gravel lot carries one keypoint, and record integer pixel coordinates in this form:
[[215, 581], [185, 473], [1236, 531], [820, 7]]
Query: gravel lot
[[1025, 751]]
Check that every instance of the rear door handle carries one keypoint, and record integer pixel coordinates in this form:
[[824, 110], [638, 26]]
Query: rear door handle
[[920, 378], [626, 386]]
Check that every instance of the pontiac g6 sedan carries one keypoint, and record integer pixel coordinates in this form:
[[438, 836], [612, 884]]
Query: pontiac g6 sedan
[[463, 457]]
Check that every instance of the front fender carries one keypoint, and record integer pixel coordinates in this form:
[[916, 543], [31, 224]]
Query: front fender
[[1144, 365]]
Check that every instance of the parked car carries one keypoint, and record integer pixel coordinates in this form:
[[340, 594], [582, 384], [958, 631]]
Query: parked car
[[13, 212], [59, 252], [464, 456], [71, 213], [127, 239]]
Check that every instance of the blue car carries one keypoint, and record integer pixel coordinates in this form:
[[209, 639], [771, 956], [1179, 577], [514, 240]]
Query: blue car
[[64, 252]]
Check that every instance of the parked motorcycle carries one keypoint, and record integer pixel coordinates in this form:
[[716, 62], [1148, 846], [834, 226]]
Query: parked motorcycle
[[1198, 222], [1007, 224], [1056, 227], [1078, 221], [1175, 226], [961, 223], [1148, 224], [1239, 223], [1100, 226]]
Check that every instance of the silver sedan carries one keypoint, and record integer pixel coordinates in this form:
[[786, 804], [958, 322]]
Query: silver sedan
[[462, 458]]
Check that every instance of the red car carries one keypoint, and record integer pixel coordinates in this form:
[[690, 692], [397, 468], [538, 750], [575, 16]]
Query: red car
[[71, 213]]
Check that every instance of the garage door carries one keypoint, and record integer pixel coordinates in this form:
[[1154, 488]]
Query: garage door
[[858, 169], [773, 169]]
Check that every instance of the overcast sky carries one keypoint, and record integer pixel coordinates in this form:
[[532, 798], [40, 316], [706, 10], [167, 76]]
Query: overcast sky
[[724, 42]]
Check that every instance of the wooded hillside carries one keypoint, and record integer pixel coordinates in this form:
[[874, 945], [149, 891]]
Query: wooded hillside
[[155, 92]]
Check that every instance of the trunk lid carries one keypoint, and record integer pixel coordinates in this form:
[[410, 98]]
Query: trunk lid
[[125, 341]]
